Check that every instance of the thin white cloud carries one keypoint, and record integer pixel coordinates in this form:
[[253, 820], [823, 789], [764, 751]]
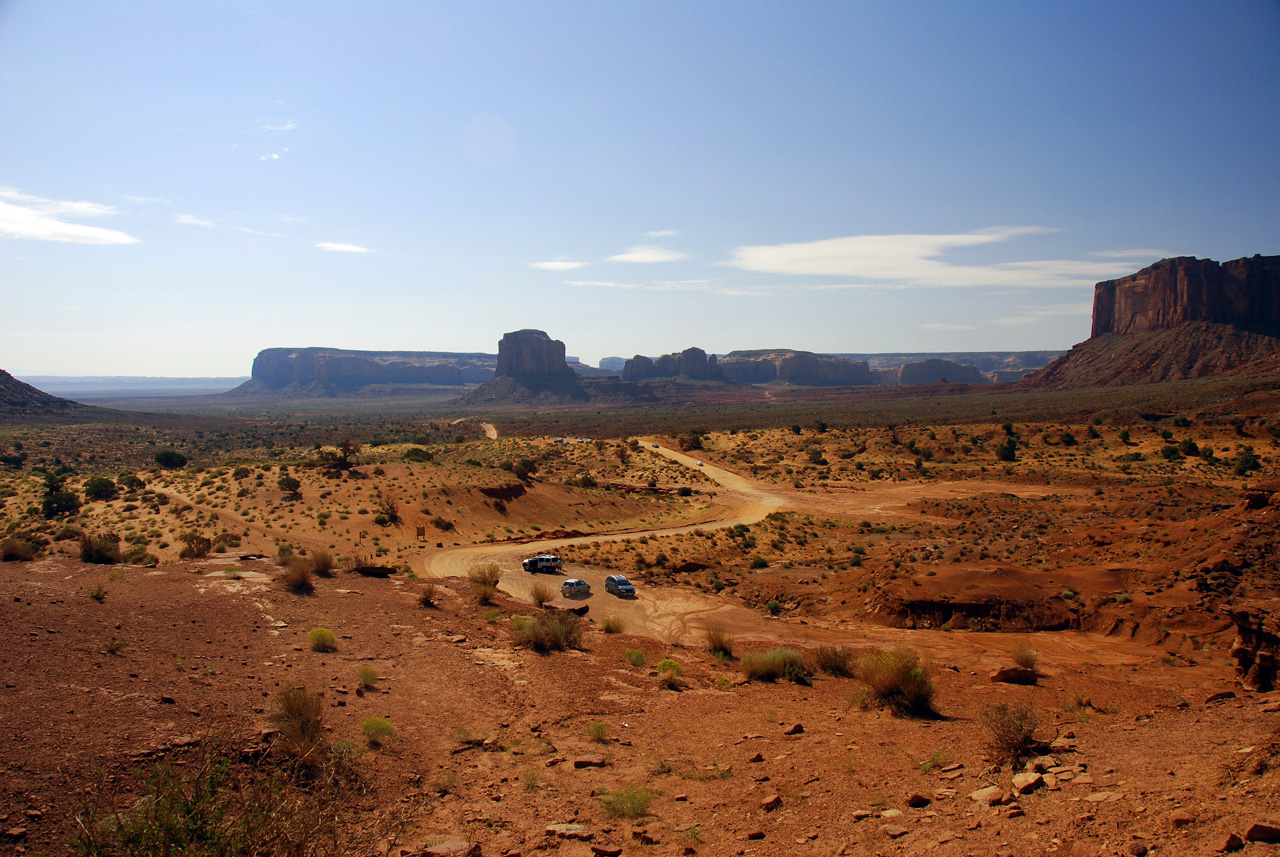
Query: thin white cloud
[[1134, 254], [26, 216], [913, 261], [934, 325], [649, 253], [343, 248], [557, 265], [257, 232], [287, 126], [661, 233], [145, 200], [270, 156], [192, 220], [709, 286]]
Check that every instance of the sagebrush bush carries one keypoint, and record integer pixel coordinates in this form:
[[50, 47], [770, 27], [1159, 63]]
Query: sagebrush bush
[[297, 716], [630, 802], [548, 632], [102, 549], [1011, 730], [1025, 656], [597, 732], [669, 672], [613, 624], [17, 550], [368, 677], [898, 680], [720, 640], [322, 563], [297, 576], [322, 640], [377, 730], [773, 665], [830, 660], [428, 594], [635, 657], [541, 594]]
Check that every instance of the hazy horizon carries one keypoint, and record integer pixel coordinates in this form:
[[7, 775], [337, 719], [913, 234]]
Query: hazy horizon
[[184, 185]]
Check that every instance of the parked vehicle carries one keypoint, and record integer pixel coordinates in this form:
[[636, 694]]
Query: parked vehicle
[[548, 562], [573, 586], [619, 586]]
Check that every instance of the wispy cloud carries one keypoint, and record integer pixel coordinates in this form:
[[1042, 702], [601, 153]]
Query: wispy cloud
[[557, 265], [715, 287], [145, 200], [343, 248], [192, 220], [257, 232], [661, 233], [287, 126], [935, 325], [914, 260], [269, 156], [1135, 253], [26, 216], [649, 253]]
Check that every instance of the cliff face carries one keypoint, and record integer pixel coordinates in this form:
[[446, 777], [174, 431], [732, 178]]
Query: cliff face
[[343, 371], [691, 363], [801, 368], [933, 371], [531, 354], [1244, 293]]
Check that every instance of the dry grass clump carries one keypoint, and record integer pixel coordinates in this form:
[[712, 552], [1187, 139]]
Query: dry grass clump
[[322, 640], [630, 802], [1011, 731], [897, 680], [484, 582], [720, 640], [549, 632], [831, 660], [301, 729], [428, 594], [669, 672], [613, 624], [541, 594], [773, 665], [377, 730], [597, 732], [323, 563], [17, 550], [297, 576], [1025, 656]]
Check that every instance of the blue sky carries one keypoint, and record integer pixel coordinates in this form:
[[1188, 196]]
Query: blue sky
[[184, 184]]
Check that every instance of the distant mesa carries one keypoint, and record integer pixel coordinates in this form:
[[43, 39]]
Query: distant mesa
[[531, 369], [691, 364], [1177, 319], [335, 371], [801, 368], [935, 371]]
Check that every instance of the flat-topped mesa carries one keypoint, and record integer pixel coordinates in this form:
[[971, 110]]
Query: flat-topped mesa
[[934, 371], [1244, 293], [531, 354], [693, 363], [801, 368]]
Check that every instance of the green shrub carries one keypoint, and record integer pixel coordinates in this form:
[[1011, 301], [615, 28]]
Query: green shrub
[[102, 549], [322, 640], [195, 546], [671, 666], [417, 453], [597, 732], [1011, 730], [548, 632], [897, 680], [773, 664], [377, 730], [635, 657], [759, 562], [100, 488], [59, 503], [773, 607], [630, 802], [171, 459], [368, 677]]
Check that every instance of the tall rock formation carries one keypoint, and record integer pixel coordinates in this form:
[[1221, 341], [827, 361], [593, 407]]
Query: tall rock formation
[[1179, 318], [692, 363], [531, 354], [800, 368], [932, 371], [1244, 293]]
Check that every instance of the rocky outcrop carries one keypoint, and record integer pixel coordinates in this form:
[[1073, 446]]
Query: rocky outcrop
[[20, 401], [531, 354], [337, 370], [1244, 293], [532, 370], [1256, 648], [800, 368], [692, 364], [934, 371]]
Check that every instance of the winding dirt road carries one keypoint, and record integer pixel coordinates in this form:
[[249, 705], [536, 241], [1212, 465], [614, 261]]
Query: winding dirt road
[[681, 614]]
